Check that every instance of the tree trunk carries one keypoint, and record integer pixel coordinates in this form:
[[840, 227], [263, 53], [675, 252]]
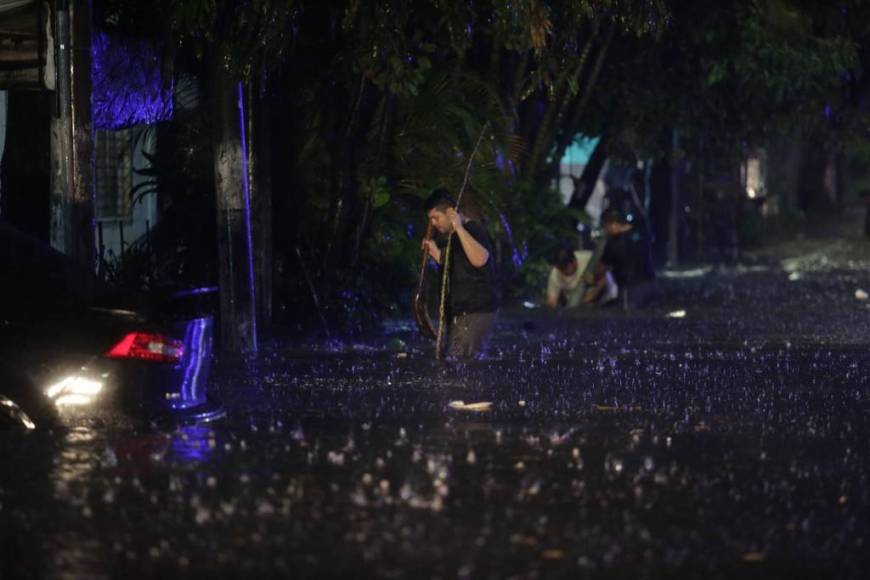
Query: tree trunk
[[519, 81], [843, 179], [660, 206], [259, 135], [235, 252], [382, 165], [549, 126], [676, 206], [785, 157], [814, 191], [72, 183], [569, 129], [583, 187], [345, 186], [700, 209]]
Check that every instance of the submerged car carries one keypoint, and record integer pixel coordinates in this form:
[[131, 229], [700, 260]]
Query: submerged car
[[71, 352]]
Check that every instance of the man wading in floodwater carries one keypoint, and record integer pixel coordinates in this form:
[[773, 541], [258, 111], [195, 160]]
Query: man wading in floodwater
[[472, 299]]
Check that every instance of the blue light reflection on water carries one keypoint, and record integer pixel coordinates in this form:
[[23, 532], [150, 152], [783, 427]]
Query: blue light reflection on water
[[192, 444]]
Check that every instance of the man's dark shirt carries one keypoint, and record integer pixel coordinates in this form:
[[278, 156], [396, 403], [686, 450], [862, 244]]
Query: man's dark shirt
[[629, 256], [471, 289]]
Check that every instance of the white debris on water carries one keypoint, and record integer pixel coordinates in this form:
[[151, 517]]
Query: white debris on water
[[335, 458], [693, 273], [474, 407]]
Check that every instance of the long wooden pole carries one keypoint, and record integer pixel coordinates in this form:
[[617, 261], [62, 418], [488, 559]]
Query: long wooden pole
[[445, 263], [421, 314]]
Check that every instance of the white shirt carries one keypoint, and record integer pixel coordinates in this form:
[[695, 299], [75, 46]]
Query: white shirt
[[572, 286]]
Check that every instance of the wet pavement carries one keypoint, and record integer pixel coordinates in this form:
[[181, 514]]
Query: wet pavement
[[721, 433]]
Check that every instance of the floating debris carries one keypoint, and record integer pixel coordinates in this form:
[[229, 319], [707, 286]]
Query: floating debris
[[690, 273], [614, 408], [475, 407]]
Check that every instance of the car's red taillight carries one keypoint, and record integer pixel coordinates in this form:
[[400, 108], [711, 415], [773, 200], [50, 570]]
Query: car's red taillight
[[145, 346]]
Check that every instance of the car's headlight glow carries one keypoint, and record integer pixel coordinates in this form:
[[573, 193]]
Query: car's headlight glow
[[72, 400], [74, 390]]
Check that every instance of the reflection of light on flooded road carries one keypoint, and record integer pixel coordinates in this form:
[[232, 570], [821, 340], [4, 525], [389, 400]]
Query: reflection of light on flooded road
[[192, 444], [97, 469], [77, 460]]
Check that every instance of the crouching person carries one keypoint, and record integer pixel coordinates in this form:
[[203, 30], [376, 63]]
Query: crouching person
[[574, 281]]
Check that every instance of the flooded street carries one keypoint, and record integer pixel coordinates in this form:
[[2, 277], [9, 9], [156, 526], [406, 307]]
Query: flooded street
[[721, 433]]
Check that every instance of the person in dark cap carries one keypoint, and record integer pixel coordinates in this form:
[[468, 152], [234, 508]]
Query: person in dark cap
[[628, 255]]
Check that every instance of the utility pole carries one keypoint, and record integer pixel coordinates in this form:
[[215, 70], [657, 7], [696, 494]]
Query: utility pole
[[259, 165], [676, 208], [72, 179], [236, 267]]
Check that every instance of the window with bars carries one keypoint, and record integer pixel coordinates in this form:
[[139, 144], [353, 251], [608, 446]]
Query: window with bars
[[113, 173]]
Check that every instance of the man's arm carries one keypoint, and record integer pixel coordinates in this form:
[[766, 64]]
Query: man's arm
[[477, 254], [597, 273], [434, 251], [553, 290]]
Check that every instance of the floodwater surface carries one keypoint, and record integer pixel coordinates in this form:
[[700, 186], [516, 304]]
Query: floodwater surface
[[721, 433]]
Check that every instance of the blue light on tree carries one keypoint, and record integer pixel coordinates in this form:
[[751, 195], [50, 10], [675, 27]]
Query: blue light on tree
[[129, 86]]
